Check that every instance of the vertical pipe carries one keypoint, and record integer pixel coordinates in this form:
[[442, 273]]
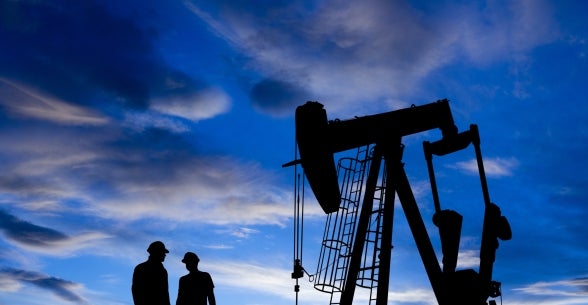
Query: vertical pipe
[[489, 236], [393, 159], [476, 142]]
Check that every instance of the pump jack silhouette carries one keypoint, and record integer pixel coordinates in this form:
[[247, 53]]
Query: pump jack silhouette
[[349, 243]]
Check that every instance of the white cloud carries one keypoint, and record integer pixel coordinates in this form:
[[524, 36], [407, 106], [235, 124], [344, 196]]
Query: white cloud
[[277, 281], [501, 30], [214, 191], [567, 288], [198, 106], [29, 103], [140, 121], [241, 232], [416, 296], [66, 246], [338, 52], [265, 280], [48, 174], [468, 259], [219, 247], [9, 284], [493, 167]]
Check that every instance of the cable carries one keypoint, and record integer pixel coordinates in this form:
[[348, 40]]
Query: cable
[[298, 216]]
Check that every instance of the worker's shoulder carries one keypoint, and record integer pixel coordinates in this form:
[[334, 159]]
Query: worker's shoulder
[[141, 265], [150, 266], [203, 273]]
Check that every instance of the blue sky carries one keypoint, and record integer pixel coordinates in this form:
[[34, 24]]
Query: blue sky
[[125, 122]]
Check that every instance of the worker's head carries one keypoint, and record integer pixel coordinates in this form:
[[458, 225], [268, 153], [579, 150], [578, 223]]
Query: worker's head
[[157, 250], [191, 260]]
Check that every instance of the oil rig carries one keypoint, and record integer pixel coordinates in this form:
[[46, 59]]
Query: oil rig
[[358, 195]]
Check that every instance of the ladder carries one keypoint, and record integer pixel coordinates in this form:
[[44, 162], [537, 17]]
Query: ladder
[[340, 226], [370, 265]]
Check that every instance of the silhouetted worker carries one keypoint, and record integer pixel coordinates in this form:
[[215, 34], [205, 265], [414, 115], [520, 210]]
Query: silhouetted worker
[[195, 287], [150, 286]]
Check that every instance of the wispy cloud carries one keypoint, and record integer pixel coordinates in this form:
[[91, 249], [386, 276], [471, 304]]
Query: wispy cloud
[[241, 232], [219, 247], [91, 72], [263, 279], [217, 192], [13, 279], [568, 288], [28, 233], [338, 47], [502, 30], [126, 175], [277, 281], [166, 183], [196, 106], [141, 121], [413, 296], [28, 103], [493, 167], [43, 239], [468, 259]]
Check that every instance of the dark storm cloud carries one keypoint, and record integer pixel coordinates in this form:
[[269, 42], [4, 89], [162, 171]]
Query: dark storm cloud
[[62, 288], [79, 51], [276, 96], [27, 233]]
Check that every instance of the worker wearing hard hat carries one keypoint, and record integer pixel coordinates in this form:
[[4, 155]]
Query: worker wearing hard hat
[[150, 285], [196, 287]]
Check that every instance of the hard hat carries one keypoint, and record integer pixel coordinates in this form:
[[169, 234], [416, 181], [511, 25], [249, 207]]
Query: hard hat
[[157, 247], [190, 257]]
